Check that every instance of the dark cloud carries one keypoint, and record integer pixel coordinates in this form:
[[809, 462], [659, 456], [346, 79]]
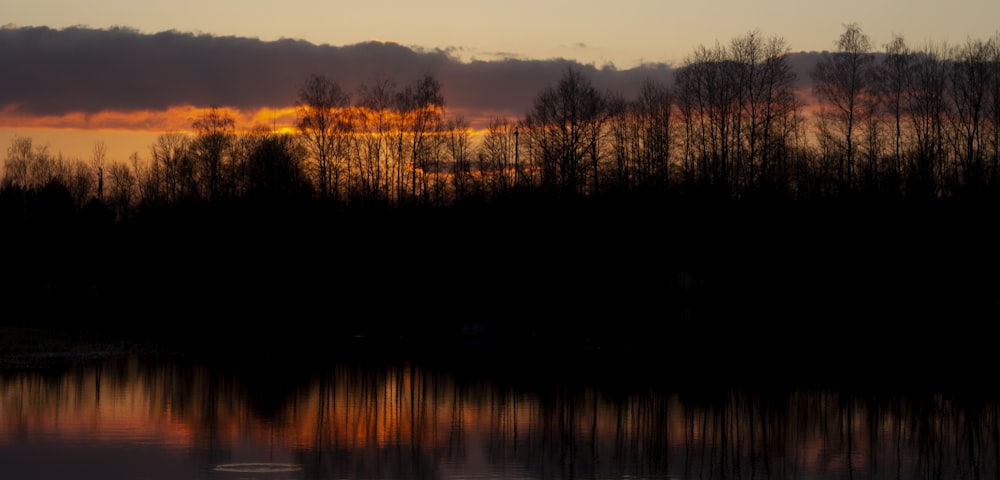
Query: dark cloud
[[53, 71]]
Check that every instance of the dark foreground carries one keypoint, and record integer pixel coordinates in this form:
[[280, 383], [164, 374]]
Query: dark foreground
[[885, 295]]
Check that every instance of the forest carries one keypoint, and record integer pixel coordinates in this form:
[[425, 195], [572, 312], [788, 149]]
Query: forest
[[899, 124], [889, 164]]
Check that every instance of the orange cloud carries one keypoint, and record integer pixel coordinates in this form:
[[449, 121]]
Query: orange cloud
[[178, 118]]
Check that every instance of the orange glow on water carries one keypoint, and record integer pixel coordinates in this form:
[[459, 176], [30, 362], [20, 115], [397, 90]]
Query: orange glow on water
[[401, 406]]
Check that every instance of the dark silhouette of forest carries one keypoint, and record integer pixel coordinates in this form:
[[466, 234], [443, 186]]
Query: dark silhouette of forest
[[723, 207]]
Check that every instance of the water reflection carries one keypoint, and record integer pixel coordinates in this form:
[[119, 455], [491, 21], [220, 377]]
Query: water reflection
[[135, 418]]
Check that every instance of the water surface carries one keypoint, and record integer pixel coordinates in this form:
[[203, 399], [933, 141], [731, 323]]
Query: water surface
[[137, 417]]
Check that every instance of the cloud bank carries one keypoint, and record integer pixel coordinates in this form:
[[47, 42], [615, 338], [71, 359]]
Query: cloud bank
[[84, 71]]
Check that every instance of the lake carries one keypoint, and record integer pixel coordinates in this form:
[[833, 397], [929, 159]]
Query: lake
[[347, 416]]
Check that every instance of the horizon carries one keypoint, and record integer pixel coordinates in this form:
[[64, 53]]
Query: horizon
[[133, 93], [518, 47]]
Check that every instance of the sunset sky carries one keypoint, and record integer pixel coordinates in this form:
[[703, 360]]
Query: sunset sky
[[71, 87]]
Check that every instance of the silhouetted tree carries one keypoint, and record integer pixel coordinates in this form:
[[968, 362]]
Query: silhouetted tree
[[843, 83], [140, 168], [968, 87], [655, 115], [708, 102], [421, 109], [894, 76], [171, 177], [564, 130], [28, 166], [325, 121], [769, 108], [497, 169], [926, 110], [214, 136], [82, 182], [374, 147], [993, 111], [458, 149], [626, 143], [739, 115], [123, 188], [99, 157], [641, 140], [274, 166]]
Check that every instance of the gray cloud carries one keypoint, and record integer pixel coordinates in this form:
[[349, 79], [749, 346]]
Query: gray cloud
[[54, 71]]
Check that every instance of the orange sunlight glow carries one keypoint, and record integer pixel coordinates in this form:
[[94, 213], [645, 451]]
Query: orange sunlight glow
[[74, 134], [177, 118]]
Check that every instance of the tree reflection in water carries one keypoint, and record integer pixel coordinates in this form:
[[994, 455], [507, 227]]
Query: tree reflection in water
[[400, 420]]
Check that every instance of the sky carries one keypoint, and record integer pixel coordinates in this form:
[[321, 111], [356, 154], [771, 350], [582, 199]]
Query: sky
[[69, 83]]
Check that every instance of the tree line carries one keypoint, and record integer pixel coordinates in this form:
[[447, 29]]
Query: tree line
[[899, 123]]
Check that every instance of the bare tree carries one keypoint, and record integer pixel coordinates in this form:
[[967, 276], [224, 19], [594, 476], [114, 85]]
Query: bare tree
[[80, 180], [564, 128], [214, 137], [925, 108], [172, 174], [768, 107], [738, 112], [993, 110], [123, 185], [641, 137], [968, 89], [374, 150], [274, 166], [459, 152], [325, 122], [28, 165], [497, 167], [100, 154], [626, 143], [655, 112], [894, 77], [843, 83], [140, 169], [708, 90], [421, 109]]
